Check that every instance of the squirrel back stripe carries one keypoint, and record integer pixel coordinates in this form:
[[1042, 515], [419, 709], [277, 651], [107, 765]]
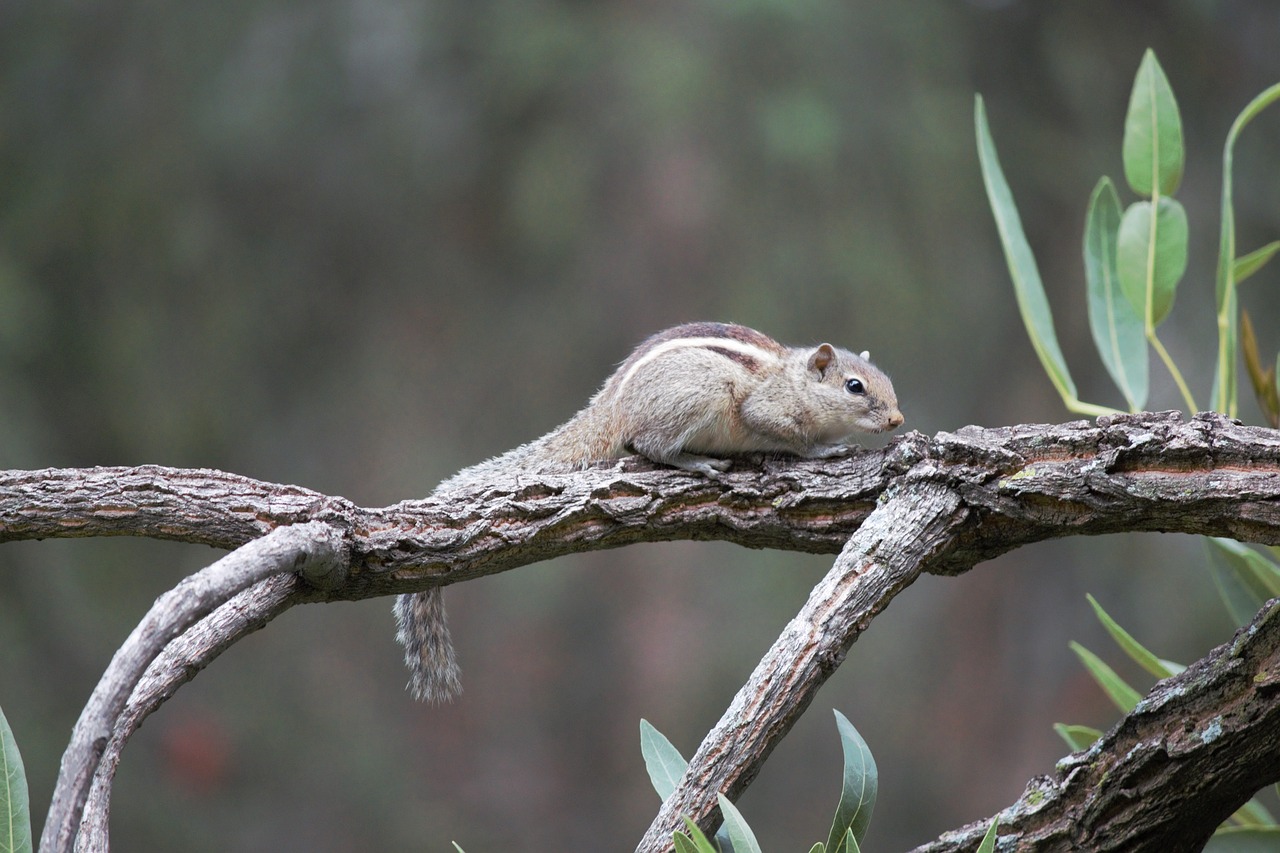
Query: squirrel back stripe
[[747, 354]]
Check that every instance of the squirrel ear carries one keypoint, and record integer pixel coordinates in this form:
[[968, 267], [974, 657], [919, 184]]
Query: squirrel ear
[[822, 358], [866, 355]]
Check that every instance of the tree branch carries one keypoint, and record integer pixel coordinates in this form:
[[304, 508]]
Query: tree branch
[[882, 558], [1192, 752], [314, 551], [177, 664], [937, 505]]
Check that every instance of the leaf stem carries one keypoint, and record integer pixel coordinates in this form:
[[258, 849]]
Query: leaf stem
[[1192, 408], [1091, 409]]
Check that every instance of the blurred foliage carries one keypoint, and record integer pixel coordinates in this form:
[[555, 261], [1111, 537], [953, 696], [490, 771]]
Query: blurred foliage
[[359, 244]]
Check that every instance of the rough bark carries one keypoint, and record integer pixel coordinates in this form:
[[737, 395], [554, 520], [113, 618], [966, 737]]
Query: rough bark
[[1192, 752], [936, 505]]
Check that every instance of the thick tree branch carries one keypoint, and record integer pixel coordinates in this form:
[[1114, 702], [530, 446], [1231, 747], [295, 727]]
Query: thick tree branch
[[935, 505], [882, 558], [1190, 754]]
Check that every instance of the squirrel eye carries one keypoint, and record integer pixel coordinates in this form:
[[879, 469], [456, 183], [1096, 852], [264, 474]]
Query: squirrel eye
[[855, 386]]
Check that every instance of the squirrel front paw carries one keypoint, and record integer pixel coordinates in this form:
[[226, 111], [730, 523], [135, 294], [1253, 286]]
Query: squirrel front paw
[[705, 465]]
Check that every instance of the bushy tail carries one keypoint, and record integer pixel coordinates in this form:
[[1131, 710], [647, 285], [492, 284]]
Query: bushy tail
[[428, 651]]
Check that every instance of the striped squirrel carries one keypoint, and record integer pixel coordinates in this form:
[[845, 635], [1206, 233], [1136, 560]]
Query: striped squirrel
[[688, 397]]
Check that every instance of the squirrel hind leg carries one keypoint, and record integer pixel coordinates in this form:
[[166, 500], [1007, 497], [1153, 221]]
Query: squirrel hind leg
[[670, 453], [428, 650]]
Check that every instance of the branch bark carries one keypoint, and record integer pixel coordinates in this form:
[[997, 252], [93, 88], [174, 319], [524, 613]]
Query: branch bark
[[937, 505], [1190, 754], [314, 551]]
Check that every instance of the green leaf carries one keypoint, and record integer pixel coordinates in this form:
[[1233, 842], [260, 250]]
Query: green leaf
[[1027, 287], [1116, 325], [818, 848], [1250, 839], [458, 848], [1135, 650], [1153, 155], [1224, 374], [1245, 577], [1265, 388], [988, 844], [1253, 813], [1254, 261], [1077, 738], [1124, 696], [858, 793], [744, 840], [851, 843], [15, 805], [696, 839], [684, 844], [663, 761], [1149, 276]]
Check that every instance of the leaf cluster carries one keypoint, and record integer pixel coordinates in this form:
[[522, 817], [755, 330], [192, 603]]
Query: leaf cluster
[[1135, 257], [852, 817], [848, 826]]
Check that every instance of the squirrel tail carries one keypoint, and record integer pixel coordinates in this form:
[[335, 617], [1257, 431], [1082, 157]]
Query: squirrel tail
[[428, 651]]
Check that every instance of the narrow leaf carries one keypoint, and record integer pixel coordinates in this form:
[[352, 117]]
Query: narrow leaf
[[458, 848], [1027, 287], [1153, 155], [15, 805], [1262, 380], [1173, 667], [1254, 261], [1253, 813], [1077, 738], [685, 844], [1251, 839], [851, 843], [663, 761], [1116, 325], [744, 840], [1135, 650], [1224, 373], [695, 837], [861, 783], [1124, 696], [988, 844], [1245, 578], [1149, 276], [818, 848]]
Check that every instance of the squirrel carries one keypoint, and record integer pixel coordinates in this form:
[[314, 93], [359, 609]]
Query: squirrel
[[688, 397]]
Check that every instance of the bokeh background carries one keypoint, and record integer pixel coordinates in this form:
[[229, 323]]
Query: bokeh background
[[358, 244]]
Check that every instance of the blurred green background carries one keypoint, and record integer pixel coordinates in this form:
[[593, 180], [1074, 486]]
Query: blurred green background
[[358, 244]]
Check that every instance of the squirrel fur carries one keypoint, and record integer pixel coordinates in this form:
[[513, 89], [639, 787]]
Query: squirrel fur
[[689, 397]]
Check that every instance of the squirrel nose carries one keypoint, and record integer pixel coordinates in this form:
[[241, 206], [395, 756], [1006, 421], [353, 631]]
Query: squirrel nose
[[895, 419]]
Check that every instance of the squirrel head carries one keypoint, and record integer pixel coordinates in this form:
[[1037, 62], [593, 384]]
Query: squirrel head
[[850, 395]]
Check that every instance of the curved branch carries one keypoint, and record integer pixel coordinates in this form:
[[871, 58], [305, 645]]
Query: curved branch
[[313, 550], [177, 664]]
